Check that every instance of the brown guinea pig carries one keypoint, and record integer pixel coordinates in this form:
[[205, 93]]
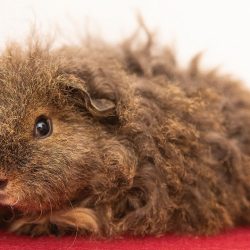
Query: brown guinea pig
[[112, 140]]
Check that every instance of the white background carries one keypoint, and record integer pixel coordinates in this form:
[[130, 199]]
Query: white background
[[220, 28]]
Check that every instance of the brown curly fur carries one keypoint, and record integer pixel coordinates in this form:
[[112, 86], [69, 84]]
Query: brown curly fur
[[172, 156]]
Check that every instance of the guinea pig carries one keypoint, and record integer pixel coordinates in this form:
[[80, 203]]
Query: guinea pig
[[110, 140]]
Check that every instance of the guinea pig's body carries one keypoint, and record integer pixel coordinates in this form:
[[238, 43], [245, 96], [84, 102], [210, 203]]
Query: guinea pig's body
[[107, 141]]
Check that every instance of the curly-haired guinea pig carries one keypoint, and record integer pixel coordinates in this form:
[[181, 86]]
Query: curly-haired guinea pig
[[112, 140]]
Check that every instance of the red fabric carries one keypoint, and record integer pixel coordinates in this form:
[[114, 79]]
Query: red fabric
[[235, 239]]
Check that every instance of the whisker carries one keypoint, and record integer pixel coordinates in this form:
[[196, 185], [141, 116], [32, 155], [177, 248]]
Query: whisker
[[41, 212], [71, 205], [76, 234], [51, 209], [76, 225], [16, 201]]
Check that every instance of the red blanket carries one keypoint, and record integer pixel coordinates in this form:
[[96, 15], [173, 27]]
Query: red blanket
[[235, 239]]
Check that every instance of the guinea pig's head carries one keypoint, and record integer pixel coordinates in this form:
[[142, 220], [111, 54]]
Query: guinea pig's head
[[58, 140]]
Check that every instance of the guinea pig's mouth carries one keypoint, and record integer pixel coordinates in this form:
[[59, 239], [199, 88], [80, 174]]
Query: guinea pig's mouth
[[20, 198], [21, 203]]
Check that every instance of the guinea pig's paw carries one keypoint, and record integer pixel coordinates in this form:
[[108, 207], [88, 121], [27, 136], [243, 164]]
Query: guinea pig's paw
[[34, 228], [82, 221]]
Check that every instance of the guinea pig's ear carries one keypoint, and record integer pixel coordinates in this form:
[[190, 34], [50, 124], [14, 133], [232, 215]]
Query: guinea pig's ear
[[97, 107]]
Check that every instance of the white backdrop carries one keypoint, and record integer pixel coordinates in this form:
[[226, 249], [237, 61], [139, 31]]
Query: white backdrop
[[220, 28]]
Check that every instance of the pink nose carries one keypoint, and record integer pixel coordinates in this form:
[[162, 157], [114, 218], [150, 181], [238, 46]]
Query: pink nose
[[3, 183]]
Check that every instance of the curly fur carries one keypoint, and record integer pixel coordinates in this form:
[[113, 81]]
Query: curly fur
[[172, 156]]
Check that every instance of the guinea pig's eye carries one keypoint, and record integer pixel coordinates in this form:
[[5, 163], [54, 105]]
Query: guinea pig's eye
[[43, 127]]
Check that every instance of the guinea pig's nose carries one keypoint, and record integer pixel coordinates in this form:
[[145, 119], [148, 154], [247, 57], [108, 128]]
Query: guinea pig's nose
[[3, 183]]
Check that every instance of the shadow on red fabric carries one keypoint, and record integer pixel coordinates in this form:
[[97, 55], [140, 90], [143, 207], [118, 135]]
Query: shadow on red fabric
[[236, 239]]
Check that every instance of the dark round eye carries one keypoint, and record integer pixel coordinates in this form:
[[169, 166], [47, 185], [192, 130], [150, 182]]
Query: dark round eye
[[43, 127]]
